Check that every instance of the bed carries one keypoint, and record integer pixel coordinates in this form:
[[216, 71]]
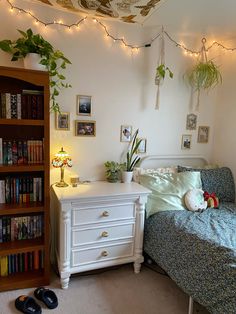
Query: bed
[[197, 250]]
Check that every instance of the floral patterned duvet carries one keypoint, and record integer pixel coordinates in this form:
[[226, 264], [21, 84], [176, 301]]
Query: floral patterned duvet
[[198, 251]]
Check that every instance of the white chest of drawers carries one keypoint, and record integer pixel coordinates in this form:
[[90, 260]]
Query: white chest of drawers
[[97, 225]]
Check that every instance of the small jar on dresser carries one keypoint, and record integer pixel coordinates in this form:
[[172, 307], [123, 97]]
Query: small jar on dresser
[[98, 224]]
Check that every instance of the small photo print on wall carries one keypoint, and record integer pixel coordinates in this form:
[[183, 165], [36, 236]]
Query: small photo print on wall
[[62, 121], [143, 146], [83, 105], [125, 133], [191, 123], [186, 141], [203, 134], [85, 128]]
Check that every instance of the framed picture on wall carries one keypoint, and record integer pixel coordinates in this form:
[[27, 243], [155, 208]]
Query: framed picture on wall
[[143, 146], [83, 105], [186, 141], [85, 128], [125, 133], [191, 123], [62, 121], [203, 134]]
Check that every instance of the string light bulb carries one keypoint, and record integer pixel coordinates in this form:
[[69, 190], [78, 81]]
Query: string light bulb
[[125, 44]]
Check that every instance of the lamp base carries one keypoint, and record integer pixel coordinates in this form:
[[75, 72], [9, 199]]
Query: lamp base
[[62, 184]]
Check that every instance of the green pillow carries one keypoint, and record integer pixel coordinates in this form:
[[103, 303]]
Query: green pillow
[[168, 190]]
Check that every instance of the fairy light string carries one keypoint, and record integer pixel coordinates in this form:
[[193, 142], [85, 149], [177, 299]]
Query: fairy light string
[[135, 47]]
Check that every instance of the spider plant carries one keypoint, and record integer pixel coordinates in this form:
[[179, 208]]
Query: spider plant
[[204, 76]]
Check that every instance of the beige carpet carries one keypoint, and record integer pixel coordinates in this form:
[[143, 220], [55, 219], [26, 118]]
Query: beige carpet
[[116, 291]]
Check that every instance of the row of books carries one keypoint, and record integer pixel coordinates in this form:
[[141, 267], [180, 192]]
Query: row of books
[[20, 228], [28, 105], [21, 152], [21, 262], [17, 190]]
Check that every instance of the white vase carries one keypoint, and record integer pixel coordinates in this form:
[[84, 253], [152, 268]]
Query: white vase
[[31, 61], [127, 176]]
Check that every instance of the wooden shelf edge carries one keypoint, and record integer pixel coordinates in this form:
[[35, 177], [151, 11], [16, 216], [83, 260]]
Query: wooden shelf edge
[[21, 246], [21, 168], [15, 209], [23, 280], [30, 122]]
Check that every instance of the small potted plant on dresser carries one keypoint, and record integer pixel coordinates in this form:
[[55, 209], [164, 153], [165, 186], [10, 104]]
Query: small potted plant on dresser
[[131, 159], [113, 170]]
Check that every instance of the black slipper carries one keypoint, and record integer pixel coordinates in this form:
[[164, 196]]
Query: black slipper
[[47, 296], [27, 305]]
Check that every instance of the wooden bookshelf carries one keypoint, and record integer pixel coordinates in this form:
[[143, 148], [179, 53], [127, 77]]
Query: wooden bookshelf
[[14, 81]]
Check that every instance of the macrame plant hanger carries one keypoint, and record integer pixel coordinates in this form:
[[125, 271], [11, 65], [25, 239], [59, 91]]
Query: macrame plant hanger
[[203, 59], [158, 79]]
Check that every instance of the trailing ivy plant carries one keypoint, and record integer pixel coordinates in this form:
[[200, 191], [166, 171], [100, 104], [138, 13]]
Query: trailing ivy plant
[[161, 72], [54, 60]]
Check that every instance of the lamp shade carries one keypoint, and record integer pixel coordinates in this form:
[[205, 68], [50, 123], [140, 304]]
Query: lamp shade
[[62, 159]]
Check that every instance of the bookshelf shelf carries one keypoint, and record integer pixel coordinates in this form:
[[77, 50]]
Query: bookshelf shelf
[[22, 280], [21, 246], [16, 209], [21, 168], [24, 94], [21, 122]]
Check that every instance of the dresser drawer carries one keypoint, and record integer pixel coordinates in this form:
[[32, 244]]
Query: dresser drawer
[[103, 213], [80, 257], [107, 233]]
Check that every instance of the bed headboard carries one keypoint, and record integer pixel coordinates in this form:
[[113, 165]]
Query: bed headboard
[[157, 161]]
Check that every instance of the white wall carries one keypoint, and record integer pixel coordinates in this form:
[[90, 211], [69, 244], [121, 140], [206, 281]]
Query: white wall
[[122, 89], [224, 151]]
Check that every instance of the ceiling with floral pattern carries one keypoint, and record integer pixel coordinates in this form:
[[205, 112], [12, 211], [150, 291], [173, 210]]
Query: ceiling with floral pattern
[[129, 11]]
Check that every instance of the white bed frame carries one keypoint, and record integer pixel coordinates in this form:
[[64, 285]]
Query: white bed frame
[[157, 161]]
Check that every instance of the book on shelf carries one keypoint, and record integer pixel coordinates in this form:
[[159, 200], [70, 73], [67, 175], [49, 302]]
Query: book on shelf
[[21, 152], [21, 262], [13, 106], [8, 105], [1, 151], [21, 228], [28, 105]]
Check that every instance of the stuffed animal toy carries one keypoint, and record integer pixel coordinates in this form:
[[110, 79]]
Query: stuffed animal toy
[[194, 200], [212, 200]]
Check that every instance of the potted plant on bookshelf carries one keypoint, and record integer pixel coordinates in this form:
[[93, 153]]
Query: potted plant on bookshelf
[[33, 47], [113, 171], [131, 159]]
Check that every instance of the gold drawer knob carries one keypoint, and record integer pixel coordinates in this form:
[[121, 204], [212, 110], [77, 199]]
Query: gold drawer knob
[[104, 253], [105, 214], [105, 234]]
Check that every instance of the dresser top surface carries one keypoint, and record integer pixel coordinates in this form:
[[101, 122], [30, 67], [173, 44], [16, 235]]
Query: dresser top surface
[[99, 189]]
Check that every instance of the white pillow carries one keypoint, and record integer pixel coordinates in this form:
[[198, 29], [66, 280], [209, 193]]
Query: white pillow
[[194, 200], [141, 171]]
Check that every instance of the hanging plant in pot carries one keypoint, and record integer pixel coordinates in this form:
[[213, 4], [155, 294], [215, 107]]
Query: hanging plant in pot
[[31, 45], [204, 75], [162, 70], [131, 159]]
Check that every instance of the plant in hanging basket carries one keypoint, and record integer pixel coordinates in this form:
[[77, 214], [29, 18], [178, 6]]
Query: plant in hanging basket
[[204, 75], [161, 72], [54, 60]]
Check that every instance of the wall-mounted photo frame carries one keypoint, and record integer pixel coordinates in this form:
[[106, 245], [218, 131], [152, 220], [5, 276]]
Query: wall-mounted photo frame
[[191, 122], [186, 141], [143, 146], [83, 105], [203, 134], [62, 121], [85, 128], [125, 133]]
